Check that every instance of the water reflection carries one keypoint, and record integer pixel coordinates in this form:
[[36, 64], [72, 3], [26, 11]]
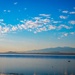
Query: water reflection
[[37, 66]]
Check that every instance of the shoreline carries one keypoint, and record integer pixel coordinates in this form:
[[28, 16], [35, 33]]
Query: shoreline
[[38, 53], [37, 56]]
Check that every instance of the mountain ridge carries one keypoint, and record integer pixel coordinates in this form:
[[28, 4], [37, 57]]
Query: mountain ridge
[[46, 50]]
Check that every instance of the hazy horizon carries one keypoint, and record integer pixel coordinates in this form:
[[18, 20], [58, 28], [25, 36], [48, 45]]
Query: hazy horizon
[[36, 24], [69, 49]]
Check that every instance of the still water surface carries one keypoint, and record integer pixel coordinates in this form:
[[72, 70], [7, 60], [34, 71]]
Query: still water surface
[[38, 65]]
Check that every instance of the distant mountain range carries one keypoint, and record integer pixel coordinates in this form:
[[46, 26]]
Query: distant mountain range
[[46, 50], [54, 50], [58, 49]]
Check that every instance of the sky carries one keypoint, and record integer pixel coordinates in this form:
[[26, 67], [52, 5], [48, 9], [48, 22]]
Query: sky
[[36, 24]]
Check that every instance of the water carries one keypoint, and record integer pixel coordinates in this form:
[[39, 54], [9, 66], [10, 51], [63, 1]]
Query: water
[[37, 65]]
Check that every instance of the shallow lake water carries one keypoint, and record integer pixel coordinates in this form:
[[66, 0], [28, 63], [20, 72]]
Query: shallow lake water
[[37, 65]]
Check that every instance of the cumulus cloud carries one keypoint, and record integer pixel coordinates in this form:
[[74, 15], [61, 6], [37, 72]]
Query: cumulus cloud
[[65, 34], [51, 27], [36, 24], [20, 27], [45, 21], [63, 17], [64, 26], [45, 15], [37, 18], [14, 28], [31, 24], [72, 33], [65, 11], [4, 30], [73, 12], [40, 29], [56, 22], [72, 22]]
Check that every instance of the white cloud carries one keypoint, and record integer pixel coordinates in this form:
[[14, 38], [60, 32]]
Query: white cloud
[[37, 18], [40, 29], [72, 33], [22, 21], [56, 22], [51, 27], [14, 28], [45, 15], [20, 27], [31, 24], [64, 26], [65, 34], [72, 12], [35, 25], [44, 21], [72, 22], [65, 11], [5, 29], [63, 17]]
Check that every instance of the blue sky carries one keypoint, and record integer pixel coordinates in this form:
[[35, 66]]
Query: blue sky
[[36, 24]]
